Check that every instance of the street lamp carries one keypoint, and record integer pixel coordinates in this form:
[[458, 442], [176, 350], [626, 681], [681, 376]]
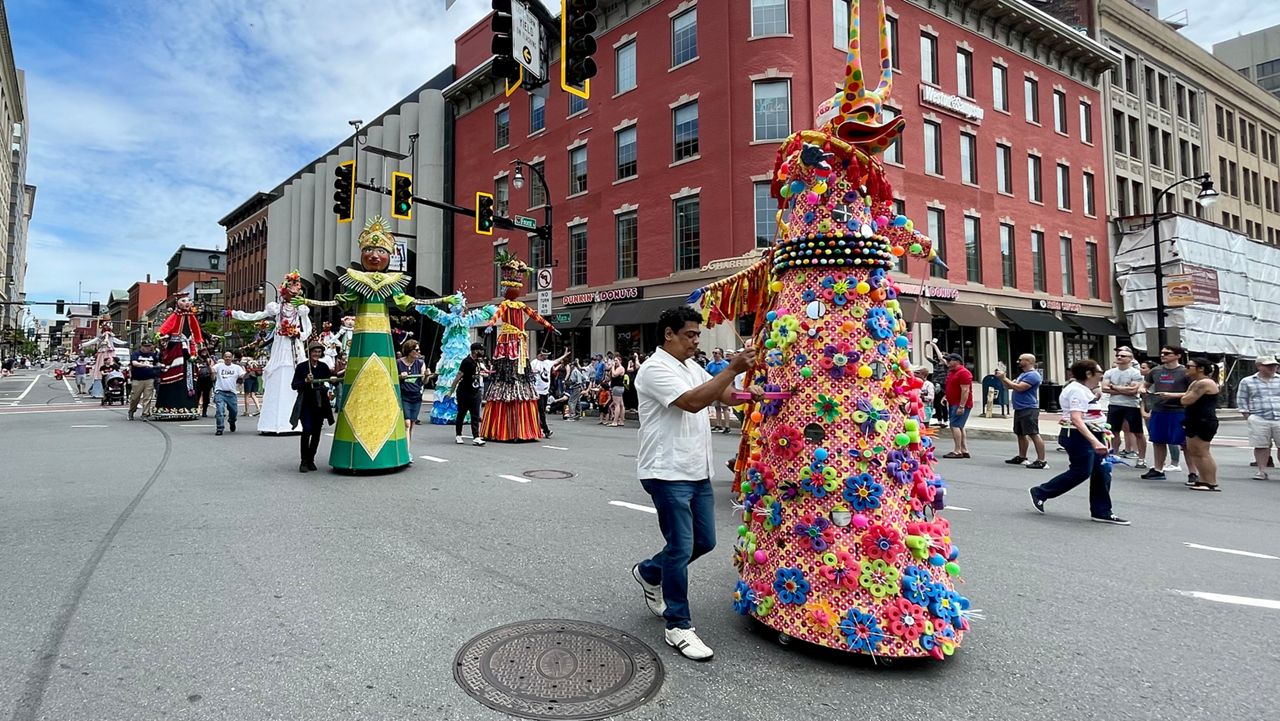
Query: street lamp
[[262, 289], [1206, 197], [518, 181]]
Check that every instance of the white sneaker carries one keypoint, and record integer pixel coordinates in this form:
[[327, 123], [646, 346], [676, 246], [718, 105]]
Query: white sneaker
[[476, 441], [1171, 467], [688, 644], [458, 440], [652, 593]]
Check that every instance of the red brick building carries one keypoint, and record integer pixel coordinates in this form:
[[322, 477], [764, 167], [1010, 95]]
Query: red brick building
[[246, 228], [143, 295], [660, 181]]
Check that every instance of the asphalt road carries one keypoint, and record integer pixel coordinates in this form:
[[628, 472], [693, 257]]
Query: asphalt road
[[154, 570]]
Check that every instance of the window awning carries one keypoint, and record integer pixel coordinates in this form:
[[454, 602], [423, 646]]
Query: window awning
[[1035, 320], [964, 314], [1095, 325], [912, 312], [566, 318], [639, 312]]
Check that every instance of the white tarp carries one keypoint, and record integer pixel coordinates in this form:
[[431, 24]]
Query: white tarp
[[1246, 319]]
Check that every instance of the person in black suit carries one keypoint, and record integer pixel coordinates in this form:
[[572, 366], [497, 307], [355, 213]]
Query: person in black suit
[[312, 407]]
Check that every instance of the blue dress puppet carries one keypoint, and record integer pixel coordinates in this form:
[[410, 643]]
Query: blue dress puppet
[[454, 347]]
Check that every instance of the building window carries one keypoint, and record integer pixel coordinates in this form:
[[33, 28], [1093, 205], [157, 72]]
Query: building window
[[684, 37], [893, 153], [969, 158], [1091, 267], [625, 151], [501, 197], [964, 73], [537, 192], [1193, 107], [1153, 145], [1086, 191], [1131, 74], [1162, 85], [1135, 139], [685, 120], [497, 270], [1117, 131], [768, 17], [1166, 149], [625, 67], [1196, 167], [772, 103], [1004, 169], [937, 220], [578, 170], [1136, 196], [539, 252], [1064, 187], [576, 104], [1068, 273], [1008, 262], [578, 254], [1000, 87], [1037, 260], [840, 24], [1031, 99], [1060, 111], [932, 147], [1122, 197], [537, 113], [1149, 83], [502, 128], [1086, 122], [1033, 179], [928, 58], [972, 249], [892, 22], [688, 256], [626, 232], [766, 215]]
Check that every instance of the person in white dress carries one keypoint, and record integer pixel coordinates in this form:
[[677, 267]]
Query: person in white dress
[[293, 326]]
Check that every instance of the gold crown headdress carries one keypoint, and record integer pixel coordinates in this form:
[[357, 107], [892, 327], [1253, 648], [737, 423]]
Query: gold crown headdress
[[377, 234]]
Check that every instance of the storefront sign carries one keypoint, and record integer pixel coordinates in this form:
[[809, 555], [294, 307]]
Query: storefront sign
[[1204, 284], [604, 296], [1058, 305], [1179, 290], [751, 257], [930, 95], [930, 291]]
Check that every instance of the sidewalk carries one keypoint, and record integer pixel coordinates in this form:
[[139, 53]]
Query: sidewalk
[[997, 428]]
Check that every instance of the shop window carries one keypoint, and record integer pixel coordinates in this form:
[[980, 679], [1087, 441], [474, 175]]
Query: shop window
[[688, 234]]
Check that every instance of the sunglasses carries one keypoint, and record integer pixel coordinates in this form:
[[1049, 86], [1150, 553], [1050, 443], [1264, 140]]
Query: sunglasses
[[1167, 352]]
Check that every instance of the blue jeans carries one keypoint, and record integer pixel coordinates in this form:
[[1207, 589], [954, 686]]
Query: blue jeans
[[1085, 466], [687, 517], [228, 400]]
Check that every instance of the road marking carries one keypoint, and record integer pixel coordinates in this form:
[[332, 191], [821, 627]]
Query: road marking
[[1224, 598], [28, 390], [72, 393], [434, 459], [196, 425], [956, 508], [54, 410], [1232, 551], [633, 506], [517, 479], [86, 426], [556, 448]]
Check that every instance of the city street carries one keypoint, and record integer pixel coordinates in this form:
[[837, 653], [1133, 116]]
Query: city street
[[156, 570]]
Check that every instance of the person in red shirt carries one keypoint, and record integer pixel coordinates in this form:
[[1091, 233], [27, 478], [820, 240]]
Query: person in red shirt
[[959, 403]]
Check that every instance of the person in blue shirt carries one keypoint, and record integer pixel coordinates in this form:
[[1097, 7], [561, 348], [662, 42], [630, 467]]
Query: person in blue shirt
[[719, 412], [1026, 411]]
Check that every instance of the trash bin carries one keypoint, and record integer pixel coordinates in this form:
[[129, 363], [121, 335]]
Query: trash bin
[[1049, 393]]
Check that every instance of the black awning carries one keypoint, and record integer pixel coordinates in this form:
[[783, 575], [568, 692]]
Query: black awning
[[972, 316], [638, 312], [912, 312], [1035, 320], [566, 318], [1095, 325]]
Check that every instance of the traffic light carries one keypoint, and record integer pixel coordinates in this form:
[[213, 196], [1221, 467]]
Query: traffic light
[[504, 55], [344, 189], [95, 309], [128, 326], [402, 196], [484, 213], [61, 306], [577, 23]]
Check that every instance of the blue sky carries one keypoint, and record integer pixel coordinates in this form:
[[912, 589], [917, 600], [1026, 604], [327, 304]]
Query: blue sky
[[152, 119]]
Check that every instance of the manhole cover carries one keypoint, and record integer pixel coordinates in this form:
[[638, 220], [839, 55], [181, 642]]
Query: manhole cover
[[551, 669], [548, 474]]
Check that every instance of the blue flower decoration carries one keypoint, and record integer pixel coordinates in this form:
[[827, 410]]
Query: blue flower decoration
[[790, 586], [902, 467], [815, 483], [861, 631], [742, 598], [808, 295], [774, 358], [862, 492], [775, 514], [880, 323], [947, 605], [771, 407], [801, 360], [916, 583]]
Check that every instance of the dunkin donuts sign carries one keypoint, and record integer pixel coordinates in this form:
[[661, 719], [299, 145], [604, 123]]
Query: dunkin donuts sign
[[604, 296]]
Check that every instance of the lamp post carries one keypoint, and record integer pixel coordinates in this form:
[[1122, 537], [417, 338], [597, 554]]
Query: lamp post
[[1206, 197], [518, 180]]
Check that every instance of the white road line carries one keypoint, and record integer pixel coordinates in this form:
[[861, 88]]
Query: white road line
[[434, 459], [196, 425], [1224, 598], [556, 448], [1232, 551], [73, 394], [55, 410], [517, 479], [633, 506], [87, 426], [956, 508], [28, 390]]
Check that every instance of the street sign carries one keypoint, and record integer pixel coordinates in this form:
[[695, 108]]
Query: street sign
[[524, 221], [543, 279], [544, 303], [526, 38], [208, 291]]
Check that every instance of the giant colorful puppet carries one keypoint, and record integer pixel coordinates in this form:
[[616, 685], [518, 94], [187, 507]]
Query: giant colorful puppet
[[455, 345], [370, 435], [293, 325], [180, 343], [839, 543], [104, 347], [510, 403]]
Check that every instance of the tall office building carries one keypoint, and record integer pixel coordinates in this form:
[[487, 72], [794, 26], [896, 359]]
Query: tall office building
[[1255, 56]]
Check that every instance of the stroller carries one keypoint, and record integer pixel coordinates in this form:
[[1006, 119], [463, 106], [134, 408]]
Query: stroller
[[114, 392]]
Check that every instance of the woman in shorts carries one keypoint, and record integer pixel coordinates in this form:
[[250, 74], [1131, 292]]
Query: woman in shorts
[[1201, 421]]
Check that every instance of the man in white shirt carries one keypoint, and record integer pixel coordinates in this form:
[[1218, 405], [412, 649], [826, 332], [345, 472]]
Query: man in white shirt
[[541, 368], [675, 466], [226, 376]]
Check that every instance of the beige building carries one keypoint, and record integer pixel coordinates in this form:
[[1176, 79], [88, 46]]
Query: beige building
[[14, 206]]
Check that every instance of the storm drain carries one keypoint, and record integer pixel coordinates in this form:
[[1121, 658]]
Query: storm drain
[[555, 669], [548, 474]]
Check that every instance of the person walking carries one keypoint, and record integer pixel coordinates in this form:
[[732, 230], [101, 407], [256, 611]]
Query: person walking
[[616, 377], [1167, 413], [541, 368], [226, 377], [939, 379], [1026, 411], [144, 366], [312, 407], [1086, 452], [675, 466], [81, 370], [574, 383], [204, 381], [411, 368], [719, 411], [1200, 422], [467, 389], [959, 403], [252, 374], [1258, 399], [1124, 413]]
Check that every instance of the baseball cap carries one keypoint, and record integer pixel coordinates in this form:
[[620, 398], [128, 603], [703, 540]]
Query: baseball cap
[[954, 357], [544, 351], [1266, 360]]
